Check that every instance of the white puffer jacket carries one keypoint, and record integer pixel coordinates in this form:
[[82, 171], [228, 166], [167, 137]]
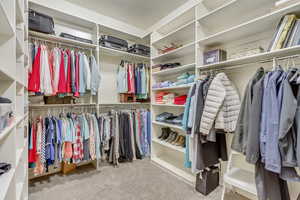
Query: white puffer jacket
[[222, 106]]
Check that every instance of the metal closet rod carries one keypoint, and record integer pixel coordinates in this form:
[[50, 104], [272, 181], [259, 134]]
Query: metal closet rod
[[240, 66], [62, 43]]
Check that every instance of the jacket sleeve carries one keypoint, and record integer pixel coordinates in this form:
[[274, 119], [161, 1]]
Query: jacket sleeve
[[214, 100], [286, 132], [95, 76], [242, 123]]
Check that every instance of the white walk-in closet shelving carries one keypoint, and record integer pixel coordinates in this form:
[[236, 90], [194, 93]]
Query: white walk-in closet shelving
[[232, 25], [13, 77], [180, 30], [107, 58]]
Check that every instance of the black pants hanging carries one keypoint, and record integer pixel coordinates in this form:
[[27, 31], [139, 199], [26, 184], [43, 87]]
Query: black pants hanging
[[269, 185]]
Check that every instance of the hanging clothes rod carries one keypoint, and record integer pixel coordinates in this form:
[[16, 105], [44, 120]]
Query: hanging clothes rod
[[280, 58], [62, 43], [240, 66], [46, 106]]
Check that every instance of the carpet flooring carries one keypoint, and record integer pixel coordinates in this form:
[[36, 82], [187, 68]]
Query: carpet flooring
[[140, 180]]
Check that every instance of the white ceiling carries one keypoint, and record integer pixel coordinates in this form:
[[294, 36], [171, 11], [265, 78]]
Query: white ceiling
[[139, 13]]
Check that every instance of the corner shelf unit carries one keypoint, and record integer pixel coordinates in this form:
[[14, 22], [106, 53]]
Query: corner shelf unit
[[13, 73], [235, 26], [181, 31]]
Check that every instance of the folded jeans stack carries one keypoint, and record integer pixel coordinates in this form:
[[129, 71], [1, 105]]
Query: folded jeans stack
[[170, 118]]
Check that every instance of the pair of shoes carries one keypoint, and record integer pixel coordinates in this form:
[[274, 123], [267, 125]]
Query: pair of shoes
[[180, 141], [164, 133], [171, 137]]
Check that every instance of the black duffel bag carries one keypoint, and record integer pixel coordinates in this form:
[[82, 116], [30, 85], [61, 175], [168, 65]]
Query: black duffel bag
[[40, 22]]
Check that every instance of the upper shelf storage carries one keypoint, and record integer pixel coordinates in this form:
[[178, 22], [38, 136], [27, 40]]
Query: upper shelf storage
[[254, 26], [176, 53], [183, 19], [60, 39], [119, 53], [184, 33], [227, 13]]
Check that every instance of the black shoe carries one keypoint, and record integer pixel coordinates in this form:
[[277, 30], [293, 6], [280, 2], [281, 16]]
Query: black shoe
[[164, 131]]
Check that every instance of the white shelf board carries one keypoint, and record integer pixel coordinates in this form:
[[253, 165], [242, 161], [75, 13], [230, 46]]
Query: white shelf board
[[185, 86], [175, 70], [213, 4], [228, 12], [60, 39], [168, 125], [254, 26], [168, 145], [175, 170], [19, 12], [168, 105], [183, 33], [5, 24], [253, 58], [179, 21], [176, 53], [241, 179], [115, 52], [9, 129], [5, 180]]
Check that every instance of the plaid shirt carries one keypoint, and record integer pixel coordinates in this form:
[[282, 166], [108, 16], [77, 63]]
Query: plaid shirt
[[78, 146]]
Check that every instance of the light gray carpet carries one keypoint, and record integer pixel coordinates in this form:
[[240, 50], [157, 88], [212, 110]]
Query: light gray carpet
[[140, 180]]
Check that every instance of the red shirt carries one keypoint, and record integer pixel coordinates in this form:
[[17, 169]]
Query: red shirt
[[34, 81]]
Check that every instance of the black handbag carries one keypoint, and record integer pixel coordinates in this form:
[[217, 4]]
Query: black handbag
[[40, 22], [207, 181]]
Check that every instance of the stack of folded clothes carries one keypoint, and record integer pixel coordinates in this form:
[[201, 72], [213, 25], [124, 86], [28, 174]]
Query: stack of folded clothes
[[6, 114], [184, 78], [163, 84], [164, 98], [170, 118], [160, 67], [180, 100], [159, 97], [172, 137]]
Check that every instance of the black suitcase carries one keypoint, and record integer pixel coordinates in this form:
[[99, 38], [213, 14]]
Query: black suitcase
[[40, 22], [113, 42], [72, 37], [139, 49]]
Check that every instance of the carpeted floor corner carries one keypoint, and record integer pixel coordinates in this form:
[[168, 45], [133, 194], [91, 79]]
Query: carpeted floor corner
[[140, 180]]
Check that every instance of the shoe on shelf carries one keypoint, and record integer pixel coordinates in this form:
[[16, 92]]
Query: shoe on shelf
[[164, 131], [181, 141], [173, 138], [176, 140], [166, 135], [172, 135]]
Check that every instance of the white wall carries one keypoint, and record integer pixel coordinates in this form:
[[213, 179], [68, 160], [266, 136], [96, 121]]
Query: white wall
[[72, 9]]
